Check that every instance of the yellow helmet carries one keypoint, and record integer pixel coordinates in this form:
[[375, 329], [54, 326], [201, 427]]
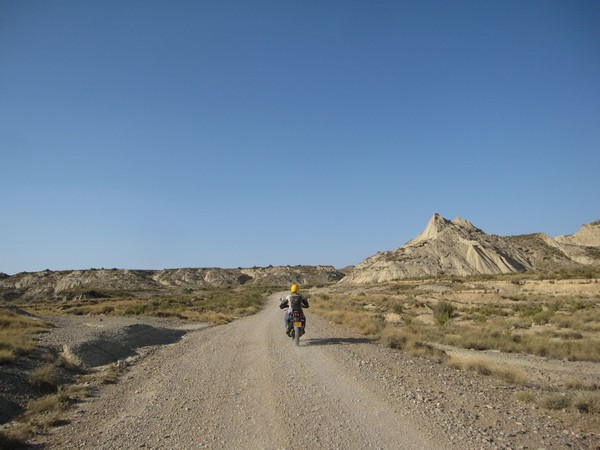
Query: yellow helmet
[[294, 287]]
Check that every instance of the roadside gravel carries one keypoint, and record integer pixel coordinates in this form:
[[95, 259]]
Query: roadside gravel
[[244, 385]]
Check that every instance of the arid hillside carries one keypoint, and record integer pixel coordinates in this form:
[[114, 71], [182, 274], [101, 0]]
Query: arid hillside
[[458, 248]]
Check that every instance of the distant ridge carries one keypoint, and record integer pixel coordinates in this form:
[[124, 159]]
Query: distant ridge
[[91, 283], [459, 248]]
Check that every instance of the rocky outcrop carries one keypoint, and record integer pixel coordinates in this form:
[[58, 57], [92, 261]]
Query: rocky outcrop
[[459, 248]]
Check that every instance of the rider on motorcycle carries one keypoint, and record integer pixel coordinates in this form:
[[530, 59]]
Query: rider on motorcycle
[[293, 302]]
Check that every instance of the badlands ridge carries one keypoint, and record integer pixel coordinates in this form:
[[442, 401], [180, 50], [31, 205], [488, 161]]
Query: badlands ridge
[[444, 248]]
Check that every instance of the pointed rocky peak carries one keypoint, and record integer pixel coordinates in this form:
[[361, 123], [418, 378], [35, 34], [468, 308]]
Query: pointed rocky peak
[[435, 226]]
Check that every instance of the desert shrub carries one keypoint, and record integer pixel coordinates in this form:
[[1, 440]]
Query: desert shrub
[[541, 317], [479, 318], [526, 396], [483, 367], [587, 402], [528, 309], [554, 306], [396, 338], [577, 305], [565, 335], [481, 338], [576, 384], [488, 310], [442, 312], [554, 401], [398, 308], [405, 340], [511, 375], [135, 310]]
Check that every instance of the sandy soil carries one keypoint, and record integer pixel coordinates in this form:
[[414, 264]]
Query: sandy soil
[[244, 385]]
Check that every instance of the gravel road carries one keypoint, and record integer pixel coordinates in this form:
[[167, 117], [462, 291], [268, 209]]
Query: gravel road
[[244, 385]]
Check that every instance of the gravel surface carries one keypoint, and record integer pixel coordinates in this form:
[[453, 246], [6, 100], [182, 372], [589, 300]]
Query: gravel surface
[[244, 385]]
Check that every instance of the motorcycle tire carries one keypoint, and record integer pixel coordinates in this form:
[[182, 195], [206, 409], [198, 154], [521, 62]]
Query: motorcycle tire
[[297, 336]]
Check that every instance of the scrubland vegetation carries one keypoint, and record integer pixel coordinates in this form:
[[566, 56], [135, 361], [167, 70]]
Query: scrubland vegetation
[[557, 326], [215, 305], [555, 317], [16, 334]]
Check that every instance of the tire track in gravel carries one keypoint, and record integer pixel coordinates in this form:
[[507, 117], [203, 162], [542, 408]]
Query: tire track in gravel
[[244, 385]]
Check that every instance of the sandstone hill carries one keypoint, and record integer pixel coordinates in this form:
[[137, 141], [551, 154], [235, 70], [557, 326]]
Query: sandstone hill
[[48, 285], [459, 248]]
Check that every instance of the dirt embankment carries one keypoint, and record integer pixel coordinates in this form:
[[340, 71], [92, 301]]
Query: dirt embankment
[[95, 341], [86, 342], [244, 385]]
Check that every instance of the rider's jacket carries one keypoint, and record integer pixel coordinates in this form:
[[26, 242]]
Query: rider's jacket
[[294, 302]]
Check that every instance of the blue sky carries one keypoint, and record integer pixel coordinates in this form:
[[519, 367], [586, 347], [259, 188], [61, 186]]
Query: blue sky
[[161, 134]]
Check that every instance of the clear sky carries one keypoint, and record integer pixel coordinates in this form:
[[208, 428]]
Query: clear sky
[[163, 134]]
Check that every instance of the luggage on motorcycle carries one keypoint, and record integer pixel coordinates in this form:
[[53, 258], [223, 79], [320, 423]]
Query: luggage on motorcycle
[[296, 302]]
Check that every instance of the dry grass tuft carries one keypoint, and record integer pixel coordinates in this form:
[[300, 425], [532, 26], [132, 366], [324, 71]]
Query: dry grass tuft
[[575, 384], [364, 322], [554, 400], [213, 317], [6, 356], [45, 378], [403, 339], [16, 436], [47, 411], [484, 367], [48, 403], [16, 332]]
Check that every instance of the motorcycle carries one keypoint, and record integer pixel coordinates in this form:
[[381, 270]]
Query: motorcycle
[[296, 326]]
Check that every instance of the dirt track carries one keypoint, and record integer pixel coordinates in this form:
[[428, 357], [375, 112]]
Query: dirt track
[[244, 385]]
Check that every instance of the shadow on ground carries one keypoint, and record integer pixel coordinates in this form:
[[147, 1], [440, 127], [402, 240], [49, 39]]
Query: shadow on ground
[[339, 341], [110, 347]]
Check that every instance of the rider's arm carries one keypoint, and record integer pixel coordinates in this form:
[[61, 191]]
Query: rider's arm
[[283, 303]]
